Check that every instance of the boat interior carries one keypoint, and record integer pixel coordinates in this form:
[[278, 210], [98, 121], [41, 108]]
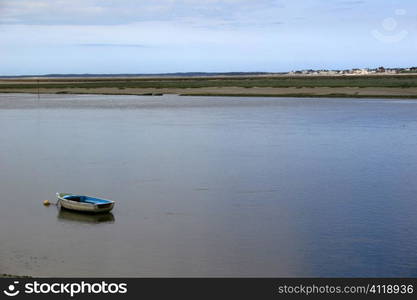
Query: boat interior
[[87, 199], [75, 198]]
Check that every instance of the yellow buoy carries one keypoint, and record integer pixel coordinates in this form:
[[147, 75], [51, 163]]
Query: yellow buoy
[[46, 203]]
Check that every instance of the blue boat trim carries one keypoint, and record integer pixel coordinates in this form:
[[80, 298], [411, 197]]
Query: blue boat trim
[[86, 199]]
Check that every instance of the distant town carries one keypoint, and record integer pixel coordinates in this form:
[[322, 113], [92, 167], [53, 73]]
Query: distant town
[[323, 72], [367, 71]]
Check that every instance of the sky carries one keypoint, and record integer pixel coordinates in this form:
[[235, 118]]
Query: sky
[[165, 36]]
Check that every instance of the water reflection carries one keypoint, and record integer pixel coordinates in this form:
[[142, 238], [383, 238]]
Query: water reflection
[[69, 216]]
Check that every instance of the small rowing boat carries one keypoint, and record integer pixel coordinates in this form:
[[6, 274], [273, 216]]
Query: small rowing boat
[[84, 203]]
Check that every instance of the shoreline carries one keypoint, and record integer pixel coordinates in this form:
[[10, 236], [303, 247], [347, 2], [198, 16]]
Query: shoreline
[[253, 95], [377, 86]]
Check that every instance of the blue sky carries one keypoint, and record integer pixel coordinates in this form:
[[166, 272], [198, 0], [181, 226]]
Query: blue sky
[[161, 36]]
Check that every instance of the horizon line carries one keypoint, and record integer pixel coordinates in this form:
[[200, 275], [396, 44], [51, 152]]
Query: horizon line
[[192, 73]]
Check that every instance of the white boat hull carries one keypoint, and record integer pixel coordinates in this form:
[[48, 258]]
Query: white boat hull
[[83, 207]]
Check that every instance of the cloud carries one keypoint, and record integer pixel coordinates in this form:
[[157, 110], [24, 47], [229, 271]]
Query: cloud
[[111, 12], [352, 2], [112, 45]]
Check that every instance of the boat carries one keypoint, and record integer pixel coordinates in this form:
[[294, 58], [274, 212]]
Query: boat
[[83, 203]]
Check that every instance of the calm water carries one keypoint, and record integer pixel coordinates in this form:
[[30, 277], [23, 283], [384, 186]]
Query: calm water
[[209, 186]]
